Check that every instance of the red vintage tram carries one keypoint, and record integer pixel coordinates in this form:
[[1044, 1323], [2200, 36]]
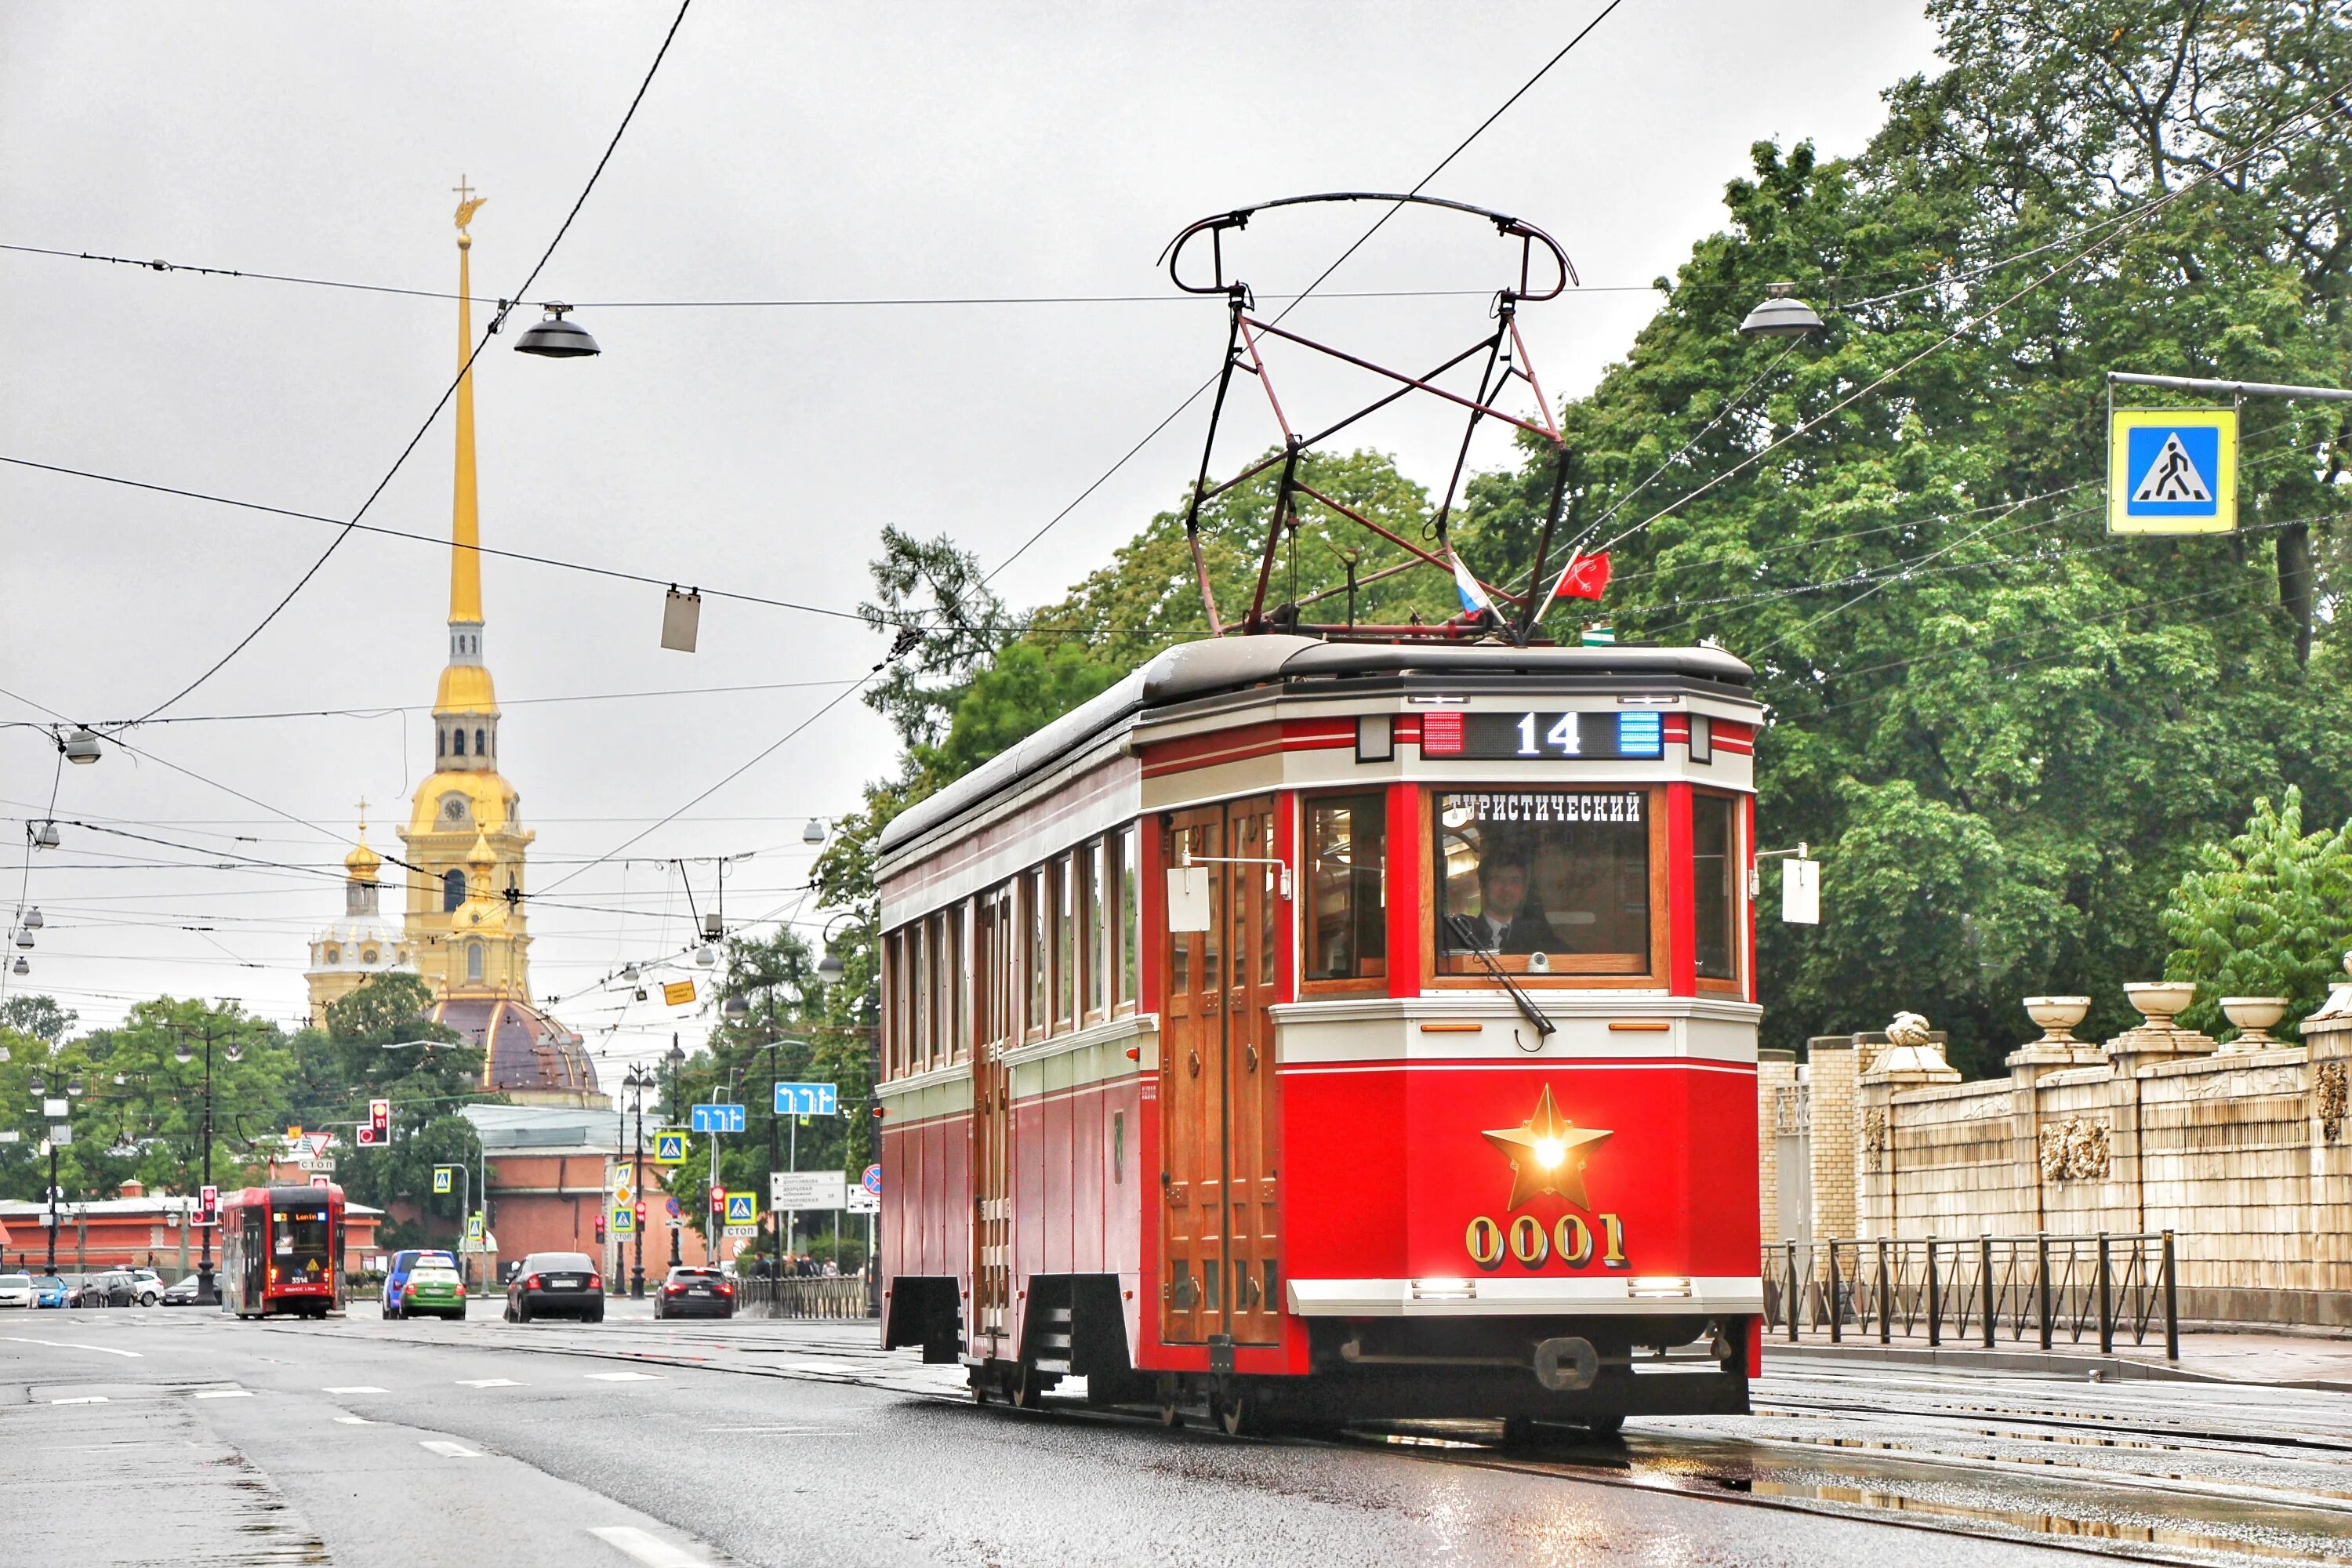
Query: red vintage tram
[[1316, 1031], [281, 1250]]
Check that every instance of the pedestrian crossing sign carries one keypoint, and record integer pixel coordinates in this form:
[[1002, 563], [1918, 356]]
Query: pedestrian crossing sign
[[2172, 470], [669, 1148], [624, 1220], [741, 1209]]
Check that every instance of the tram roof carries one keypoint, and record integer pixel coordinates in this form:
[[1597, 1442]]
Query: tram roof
[[1225, 665]]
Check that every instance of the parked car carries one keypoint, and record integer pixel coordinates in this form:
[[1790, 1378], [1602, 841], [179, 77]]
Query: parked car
[[433, 1289], [50, 1290], [113, 1288], [15, 1290], [556, 1284], [183, 1294], [147, 1284], [690, 1292], [403, 1264]]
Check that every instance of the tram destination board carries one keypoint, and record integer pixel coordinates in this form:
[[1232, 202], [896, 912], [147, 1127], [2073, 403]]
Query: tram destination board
[[1539, 735]]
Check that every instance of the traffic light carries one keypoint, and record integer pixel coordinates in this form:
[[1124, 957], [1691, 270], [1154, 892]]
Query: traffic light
[[718, 1199], [209, 1205], [600, 1230], [375, 1132], [640, 1214]]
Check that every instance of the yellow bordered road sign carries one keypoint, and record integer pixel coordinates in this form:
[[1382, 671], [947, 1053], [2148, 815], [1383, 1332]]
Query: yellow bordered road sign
[[742, 1209], [669, 1148], [2172, 470]]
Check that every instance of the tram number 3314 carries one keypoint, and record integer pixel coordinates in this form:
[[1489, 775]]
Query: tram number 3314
[[1526, 1241]]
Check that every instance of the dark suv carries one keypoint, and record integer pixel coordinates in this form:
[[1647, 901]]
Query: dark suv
[[112, 1289], [556, 1284]]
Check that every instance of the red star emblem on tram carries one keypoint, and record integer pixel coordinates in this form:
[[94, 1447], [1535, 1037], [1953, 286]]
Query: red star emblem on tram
[[1545, 1151]]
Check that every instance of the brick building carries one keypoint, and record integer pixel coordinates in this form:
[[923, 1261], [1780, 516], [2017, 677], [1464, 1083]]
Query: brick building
[[137, 1229]]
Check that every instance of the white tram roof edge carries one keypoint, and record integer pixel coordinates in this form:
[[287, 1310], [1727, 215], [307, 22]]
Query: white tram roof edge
[[1231, 664]]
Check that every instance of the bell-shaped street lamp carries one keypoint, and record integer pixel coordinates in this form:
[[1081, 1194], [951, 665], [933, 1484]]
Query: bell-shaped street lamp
[[556, 338], [1781, 315], [81, 746], [33, 921]]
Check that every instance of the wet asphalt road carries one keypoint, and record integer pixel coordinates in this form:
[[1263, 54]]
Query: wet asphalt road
[[156, 1436]]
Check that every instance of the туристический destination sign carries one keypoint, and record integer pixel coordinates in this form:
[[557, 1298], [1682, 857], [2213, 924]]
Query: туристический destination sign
[[1602, 736]]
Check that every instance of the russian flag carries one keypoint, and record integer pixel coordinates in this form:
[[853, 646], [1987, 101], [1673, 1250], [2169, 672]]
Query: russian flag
[[1474, 597]]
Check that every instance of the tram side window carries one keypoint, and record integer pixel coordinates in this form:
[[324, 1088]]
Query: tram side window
[[1563, 873], [919, 996], [894, 1010], [1093, 864], [958, 1023], [1066, 939], [1346, 854], [1714, 880], [1035, 953], [1130, 916]]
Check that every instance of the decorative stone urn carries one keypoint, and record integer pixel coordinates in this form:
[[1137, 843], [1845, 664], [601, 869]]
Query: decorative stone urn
[[2058, 1047], [2158, 1039], [1912, 1054], [2253, 1015]]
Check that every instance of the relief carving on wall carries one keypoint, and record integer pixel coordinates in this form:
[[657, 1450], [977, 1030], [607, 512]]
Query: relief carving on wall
[[1873, 1138], [2333, 1095], [2075, 1150]]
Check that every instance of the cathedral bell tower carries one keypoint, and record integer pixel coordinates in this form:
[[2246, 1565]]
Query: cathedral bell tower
[[466, 927]]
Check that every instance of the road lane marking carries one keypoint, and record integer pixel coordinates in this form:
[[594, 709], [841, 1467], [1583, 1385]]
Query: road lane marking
[[821, 1366], [72, 1345], [484, 1383], [82, 1399], [449, 1450], [813, 1431], [354, 1388], [224, 1393], [646, 1547], [625, 1377], [354, 1421]]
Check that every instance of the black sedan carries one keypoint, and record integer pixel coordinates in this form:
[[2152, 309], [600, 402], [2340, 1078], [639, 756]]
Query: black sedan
[[695, 1293], [112, 1289], [556, 1284], [183, 1294]]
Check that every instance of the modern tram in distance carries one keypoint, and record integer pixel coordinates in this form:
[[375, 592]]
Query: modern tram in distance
[[1307, 1032]]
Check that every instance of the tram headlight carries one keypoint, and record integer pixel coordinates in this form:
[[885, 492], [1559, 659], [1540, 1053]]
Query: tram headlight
[[1659, 1286]]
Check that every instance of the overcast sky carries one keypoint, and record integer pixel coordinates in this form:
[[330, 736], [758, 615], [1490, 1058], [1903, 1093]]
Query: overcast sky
[[783, 152]]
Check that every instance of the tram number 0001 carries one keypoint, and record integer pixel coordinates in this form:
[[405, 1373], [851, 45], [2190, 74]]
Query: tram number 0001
[[1526, 1241]]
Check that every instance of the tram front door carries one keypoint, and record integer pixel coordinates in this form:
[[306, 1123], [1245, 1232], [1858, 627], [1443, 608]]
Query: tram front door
[[1219, 1199]]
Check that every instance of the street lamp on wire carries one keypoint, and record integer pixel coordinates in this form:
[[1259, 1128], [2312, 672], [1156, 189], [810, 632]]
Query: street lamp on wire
[[184, 1053]]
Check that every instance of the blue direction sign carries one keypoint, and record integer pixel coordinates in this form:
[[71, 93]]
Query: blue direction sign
[[2172, 470], [806, 1099], [872, 1180], [718, 1119]]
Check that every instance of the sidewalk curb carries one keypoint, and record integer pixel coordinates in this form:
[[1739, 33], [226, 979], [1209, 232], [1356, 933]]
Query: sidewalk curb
[[2116, 1369]]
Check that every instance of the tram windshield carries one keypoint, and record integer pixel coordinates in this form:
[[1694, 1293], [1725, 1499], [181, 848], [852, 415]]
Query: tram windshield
[[1545, 880], [299, 1242]]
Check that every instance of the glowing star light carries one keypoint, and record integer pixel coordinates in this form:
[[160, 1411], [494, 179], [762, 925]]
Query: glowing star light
[[1545, 1151]]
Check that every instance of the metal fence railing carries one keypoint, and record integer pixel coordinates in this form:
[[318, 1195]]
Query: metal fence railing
[[2042, 1287], [793, 1296]]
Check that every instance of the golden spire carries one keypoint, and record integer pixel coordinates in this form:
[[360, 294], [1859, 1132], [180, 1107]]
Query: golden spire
[[465, 558]]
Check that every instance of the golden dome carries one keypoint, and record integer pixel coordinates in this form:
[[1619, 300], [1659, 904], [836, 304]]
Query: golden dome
[[363, 863], [485, 798], [482, 858], [466, 689]]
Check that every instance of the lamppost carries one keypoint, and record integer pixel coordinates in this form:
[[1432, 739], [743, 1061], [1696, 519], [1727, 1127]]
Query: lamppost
[[61, 1133], [674, 1060], [183, 1053], [637, 1081]]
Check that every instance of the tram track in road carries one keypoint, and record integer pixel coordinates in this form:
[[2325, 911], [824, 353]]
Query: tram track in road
[[1976, 1464]]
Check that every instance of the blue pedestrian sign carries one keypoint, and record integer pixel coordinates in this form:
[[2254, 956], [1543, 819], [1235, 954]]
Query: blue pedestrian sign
[[2172, 470], [669, 1148], [718, 1119], [742, 1209], [806, 1099]]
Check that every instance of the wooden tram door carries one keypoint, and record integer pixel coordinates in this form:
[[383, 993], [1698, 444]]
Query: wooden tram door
[[997, 947], [1219, 1232]]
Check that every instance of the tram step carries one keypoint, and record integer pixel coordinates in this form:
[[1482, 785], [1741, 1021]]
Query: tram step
[[1052, 1363]]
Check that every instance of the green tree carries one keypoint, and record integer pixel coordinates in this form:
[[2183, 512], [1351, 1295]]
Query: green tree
[[2269, 913]]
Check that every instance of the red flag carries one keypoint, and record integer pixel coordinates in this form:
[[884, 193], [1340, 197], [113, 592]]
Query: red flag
[[1585, 577]]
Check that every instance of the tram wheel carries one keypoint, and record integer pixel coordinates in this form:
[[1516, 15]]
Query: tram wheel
[[1605, 1428], [1172, 1403], [1236, 1411], [1520, 1431], [1028, 1386], [978, 1380]]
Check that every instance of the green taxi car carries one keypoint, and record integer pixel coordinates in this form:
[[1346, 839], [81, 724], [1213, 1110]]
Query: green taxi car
[[434, 1291]]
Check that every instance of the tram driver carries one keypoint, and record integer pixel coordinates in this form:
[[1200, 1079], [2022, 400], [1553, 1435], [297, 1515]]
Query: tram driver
[[1504, 922]]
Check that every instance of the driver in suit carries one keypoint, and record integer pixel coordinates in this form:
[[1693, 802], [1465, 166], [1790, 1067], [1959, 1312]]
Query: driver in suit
[[1504, 924]]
